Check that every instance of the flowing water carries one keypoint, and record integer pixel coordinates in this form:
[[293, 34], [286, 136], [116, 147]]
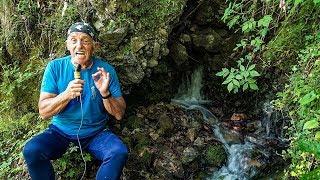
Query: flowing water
[[246, 158]]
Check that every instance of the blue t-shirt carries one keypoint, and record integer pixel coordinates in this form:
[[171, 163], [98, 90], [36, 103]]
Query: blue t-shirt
[[58, 74]]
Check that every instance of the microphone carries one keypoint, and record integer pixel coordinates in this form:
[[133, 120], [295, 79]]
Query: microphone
[[76, 73]]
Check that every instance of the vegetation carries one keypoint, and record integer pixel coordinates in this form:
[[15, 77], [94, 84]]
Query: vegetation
[[279, 38], [283, 35], [31, 34], [300, 100]]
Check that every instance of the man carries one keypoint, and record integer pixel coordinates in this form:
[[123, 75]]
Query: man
[[79, 109]]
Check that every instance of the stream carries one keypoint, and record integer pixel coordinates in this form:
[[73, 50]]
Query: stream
[[250, 155]]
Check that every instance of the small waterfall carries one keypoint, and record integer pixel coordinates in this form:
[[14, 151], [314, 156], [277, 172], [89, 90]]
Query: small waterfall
[[242, 160], [190, 90]]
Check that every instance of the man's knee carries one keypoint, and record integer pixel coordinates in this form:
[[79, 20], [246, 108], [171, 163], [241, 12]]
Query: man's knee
[[32, 152], [120, 152]]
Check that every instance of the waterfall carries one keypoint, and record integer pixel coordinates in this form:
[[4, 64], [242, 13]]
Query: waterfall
[[190, 89]]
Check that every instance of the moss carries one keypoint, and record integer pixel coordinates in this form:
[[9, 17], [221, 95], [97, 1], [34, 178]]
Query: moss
[[134, 122], [145, 157], [215, 155], [283, 49], [201, 175], [286, 45], [142, 140], [151, 14]]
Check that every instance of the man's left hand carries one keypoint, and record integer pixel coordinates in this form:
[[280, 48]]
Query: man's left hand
[[101, 80]]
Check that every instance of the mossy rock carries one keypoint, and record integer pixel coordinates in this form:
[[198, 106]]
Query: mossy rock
[[215, 155], [201, 175], [134, 122], [145, 157], [165, 125], [141, 140]]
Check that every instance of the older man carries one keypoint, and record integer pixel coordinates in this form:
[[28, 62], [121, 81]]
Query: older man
[[79, 109]]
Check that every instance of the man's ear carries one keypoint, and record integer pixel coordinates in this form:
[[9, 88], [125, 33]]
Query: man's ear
[[66, 42]]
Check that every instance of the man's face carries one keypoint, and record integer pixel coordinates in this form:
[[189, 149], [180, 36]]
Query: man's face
[[81, 47]]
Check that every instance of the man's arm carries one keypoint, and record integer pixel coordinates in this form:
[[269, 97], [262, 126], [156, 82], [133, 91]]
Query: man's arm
[[115, 106], [51, 104]]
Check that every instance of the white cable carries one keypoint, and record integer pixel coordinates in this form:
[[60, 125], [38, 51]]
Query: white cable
[[85, 164]]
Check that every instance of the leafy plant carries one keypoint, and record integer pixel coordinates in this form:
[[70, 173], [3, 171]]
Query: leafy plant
[[255, 29], [242, 77]]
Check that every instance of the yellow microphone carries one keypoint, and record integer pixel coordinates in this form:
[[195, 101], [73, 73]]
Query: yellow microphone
[[76, 73]]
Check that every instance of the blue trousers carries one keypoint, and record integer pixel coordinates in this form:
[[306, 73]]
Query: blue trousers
[[51, 144]]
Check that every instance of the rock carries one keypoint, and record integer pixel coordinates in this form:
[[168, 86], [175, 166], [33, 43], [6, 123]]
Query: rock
[[215, 155], [153, 62], [207, 39], [185, 38], [114, 38], [179, 53], [205, 13], [231, 136], [199, 142], [238, 117], [131, 73], [169, 162], [165, 125], [156, 50], [189, 154], [191, 134], [137, 43], [154, 135], [134, 122]]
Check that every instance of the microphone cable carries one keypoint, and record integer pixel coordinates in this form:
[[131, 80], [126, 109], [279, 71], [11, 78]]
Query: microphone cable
[[85, 163], [77, 76]]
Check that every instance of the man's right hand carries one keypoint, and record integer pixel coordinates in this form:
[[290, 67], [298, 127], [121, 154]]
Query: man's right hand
[[74, 88]]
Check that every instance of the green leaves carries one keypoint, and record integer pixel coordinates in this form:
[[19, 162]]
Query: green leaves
[[265, 21], [248, 25], [317, 136], [311, 124], [308, 98], [242, 77]]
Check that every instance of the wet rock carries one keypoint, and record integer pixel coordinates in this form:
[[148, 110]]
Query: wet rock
[[165, 148], [215, 155], [179, 53], [238, 117], [231, 136]]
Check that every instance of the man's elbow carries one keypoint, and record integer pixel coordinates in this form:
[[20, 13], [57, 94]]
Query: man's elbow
[[43, 115], [119, 117]]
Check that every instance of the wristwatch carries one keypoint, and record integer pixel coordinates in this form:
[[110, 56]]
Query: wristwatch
[[106, 97]]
